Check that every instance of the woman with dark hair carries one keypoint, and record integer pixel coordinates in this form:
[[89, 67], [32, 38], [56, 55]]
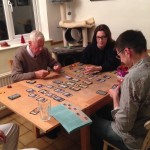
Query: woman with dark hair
[[100, 53]]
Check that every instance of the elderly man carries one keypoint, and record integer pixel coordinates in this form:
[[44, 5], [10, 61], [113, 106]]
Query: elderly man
[[131, 99], [32, 61]]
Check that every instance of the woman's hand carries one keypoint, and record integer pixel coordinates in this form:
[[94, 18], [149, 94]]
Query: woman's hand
[[89, 69], [57, 68]]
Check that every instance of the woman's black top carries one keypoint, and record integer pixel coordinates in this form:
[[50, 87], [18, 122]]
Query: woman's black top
[[101, 57]]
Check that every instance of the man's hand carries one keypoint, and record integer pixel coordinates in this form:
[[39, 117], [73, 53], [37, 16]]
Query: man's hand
[[57, 68], [114, 93], [120, 80], [89, 69], [40, 74], [2, 137]]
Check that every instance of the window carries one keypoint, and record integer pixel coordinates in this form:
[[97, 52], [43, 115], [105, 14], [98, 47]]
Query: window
[[3, 28], [17, 17]]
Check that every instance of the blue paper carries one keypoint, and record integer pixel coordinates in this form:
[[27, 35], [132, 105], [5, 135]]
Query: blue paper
[[68, 119]]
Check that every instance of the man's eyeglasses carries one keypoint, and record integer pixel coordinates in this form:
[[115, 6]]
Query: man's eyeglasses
[[118, 57], [101, 37]]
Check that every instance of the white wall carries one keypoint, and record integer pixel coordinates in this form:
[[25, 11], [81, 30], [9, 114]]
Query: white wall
[[119, 15], [53, 21]]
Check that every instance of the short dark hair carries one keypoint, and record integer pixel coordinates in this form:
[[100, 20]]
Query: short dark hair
[[106, 30], [132, 39]]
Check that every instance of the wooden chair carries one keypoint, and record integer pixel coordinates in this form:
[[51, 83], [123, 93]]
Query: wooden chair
[[145, 145], [106, 145]]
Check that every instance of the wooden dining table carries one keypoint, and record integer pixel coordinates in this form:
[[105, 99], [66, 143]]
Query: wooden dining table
[[84, 92]]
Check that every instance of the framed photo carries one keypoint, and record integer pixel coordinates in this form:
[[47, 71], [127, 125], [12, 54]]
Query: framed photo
[[22, 2]]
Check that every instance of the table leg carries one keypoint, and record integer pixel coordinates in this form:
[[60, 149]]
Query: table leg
[[36, 132], [85, 138]]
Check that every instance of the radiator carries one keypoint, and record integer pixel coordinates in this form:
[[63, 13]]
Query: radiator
[[5, 79]]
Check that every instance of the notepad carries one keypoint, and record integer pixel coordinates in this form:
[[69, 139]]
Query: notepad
[[70, 117]]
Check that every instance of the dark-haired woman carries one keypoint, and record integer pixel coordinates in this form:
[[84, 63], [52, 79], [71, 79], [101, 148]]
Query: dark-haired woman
[[100, 53]]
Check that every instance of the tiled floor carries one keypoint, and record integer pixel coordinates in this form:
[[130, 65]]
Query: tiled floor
[[27, 139]]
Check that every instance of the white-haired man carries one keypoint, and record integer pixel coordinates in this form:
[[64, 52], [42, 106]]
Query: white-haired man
[[32, 61]]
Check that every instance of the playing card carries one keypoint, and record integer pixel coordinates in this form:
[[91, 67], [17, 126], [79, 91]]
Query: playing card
[[101, 92], [35, 111]]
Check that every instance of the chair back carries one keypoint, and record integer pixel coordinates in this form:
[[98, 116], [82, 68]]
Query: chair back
[[146, 143]]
